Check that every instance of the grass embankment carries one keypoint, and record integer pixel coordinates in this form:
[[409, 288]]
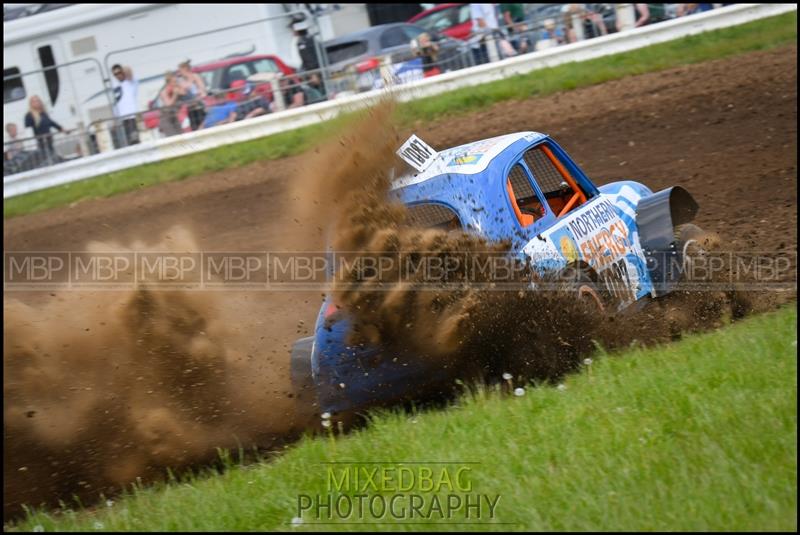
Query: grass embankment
[[695, 435], [758, 35]]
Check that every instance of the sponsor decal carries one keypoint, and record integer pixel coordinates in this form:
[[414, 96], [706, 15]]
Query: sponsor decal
[[565, 243], [465, 160], [472, 154], [601, 235]]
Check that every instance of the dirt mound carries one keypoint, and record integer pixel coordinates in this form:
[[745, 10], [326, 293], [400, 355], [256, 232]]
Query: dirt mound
[[104, 388]]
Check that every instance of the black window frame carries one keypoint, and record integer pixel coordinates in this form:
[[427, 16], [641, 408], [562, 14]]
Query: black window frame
[[12, 75], [47, 59]]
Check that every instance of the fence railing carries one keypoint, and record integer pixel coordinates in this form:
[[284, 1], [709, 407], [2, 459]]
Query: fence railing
[[269, 95]]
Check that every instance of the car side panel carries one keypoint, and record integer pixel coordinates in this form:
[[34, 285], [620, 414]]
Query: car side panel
[[603, 234]]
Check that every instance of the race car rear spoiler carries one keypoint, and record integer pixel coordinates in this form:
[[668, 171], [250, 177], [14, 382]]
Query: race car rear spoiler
[[656, 217]]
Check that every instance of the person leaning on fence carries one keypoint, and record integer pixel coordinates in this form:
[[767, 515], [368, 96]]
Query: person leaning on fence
[[13, 147], [194, 92], [314, 88], [428, 50], [222, 113], [169, 96], [126, 92], [251, 104], [551, 35], [292, 91], [513, 16], [41, 123], [14, 154], [484, 23], [650, 14], [592, 23]]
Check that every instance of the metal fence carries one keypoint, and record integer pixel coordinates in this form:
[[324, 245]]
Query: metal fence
[[543, 27]]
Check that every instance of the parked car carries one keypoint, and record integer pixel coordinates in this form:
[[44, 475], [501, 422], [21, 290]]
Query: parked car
[[452, 20], [355, 59], [219, 77]]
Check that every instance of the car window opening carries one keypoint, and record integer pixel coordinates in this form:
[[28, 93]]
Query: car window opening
[[561, 191], [526, 204]]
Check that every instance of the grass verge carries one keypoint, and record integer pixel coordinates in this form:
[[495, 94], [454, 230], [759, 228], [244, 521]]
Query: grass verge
[[758, 35], [695, 435]]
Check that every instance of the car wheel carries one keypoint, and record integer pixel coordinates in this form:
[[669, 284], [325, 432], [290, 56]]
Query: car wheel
[[580, 282]]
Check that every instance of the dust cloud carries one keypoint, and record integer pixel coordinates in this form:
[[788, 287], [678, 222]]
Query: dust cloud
[[105, 388]]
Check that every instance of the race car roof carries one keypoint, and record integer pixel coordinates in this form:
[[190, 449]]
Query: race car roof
[[467, 159]]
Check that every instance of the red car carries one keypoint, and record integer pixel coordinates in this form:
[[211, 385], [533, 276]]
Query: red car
[[452, 20], [219, 76]]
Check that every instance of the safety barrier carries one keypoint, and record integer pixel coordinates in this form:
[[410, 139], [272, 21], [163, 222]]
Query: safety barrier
[[180, 145]]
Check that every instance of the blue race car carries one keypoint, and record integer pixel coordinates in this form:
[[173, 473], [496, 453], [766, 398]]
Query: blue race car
[[627, 243]]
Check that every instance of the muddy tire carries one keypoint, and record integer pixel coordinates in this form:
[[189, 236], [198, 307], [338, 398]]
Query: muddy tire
[[580, 281], [695, 243], [694, 240]]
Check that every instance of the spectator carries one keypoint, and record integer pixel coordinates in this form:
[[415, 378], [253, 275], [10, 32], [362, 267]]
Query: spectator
[[253, 104], [42, 124], [13, 147], [551, 35], [426, 49], [221, 113], [592, 23], [514, 21], [513, 14], [315, 89], [650, 14], [170, 96], [126, 92], [194, 91], [292, 92], [306, 47], [642, 15], [226, 109], [15, 158], [484, 24]]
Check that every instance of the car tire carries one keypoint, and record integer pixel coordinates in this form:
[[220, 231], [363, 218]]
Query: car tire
[[694, 243], [580, 282]]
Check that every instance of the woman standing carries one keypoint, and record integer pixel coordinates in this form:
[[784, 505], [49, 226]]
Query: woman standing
[[170, 95], [42, 124], [194, 92]]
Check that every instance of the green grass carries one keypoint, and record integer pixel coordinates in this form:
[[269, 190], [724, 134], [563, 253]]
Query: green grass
[[695, 435], [758, 35]]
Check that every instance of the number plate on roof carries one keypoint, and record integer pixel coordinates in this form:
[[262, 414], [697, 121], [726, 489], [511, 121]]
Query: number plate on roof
[[417, 153]]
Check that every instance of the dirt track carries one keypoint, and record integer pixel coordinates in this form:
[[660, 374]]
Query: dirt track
[[725, 130]]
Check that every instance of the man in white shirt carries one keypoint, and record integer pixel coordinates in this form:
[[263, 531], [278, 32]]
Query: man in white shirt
[[484, 23], [126, 92]]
